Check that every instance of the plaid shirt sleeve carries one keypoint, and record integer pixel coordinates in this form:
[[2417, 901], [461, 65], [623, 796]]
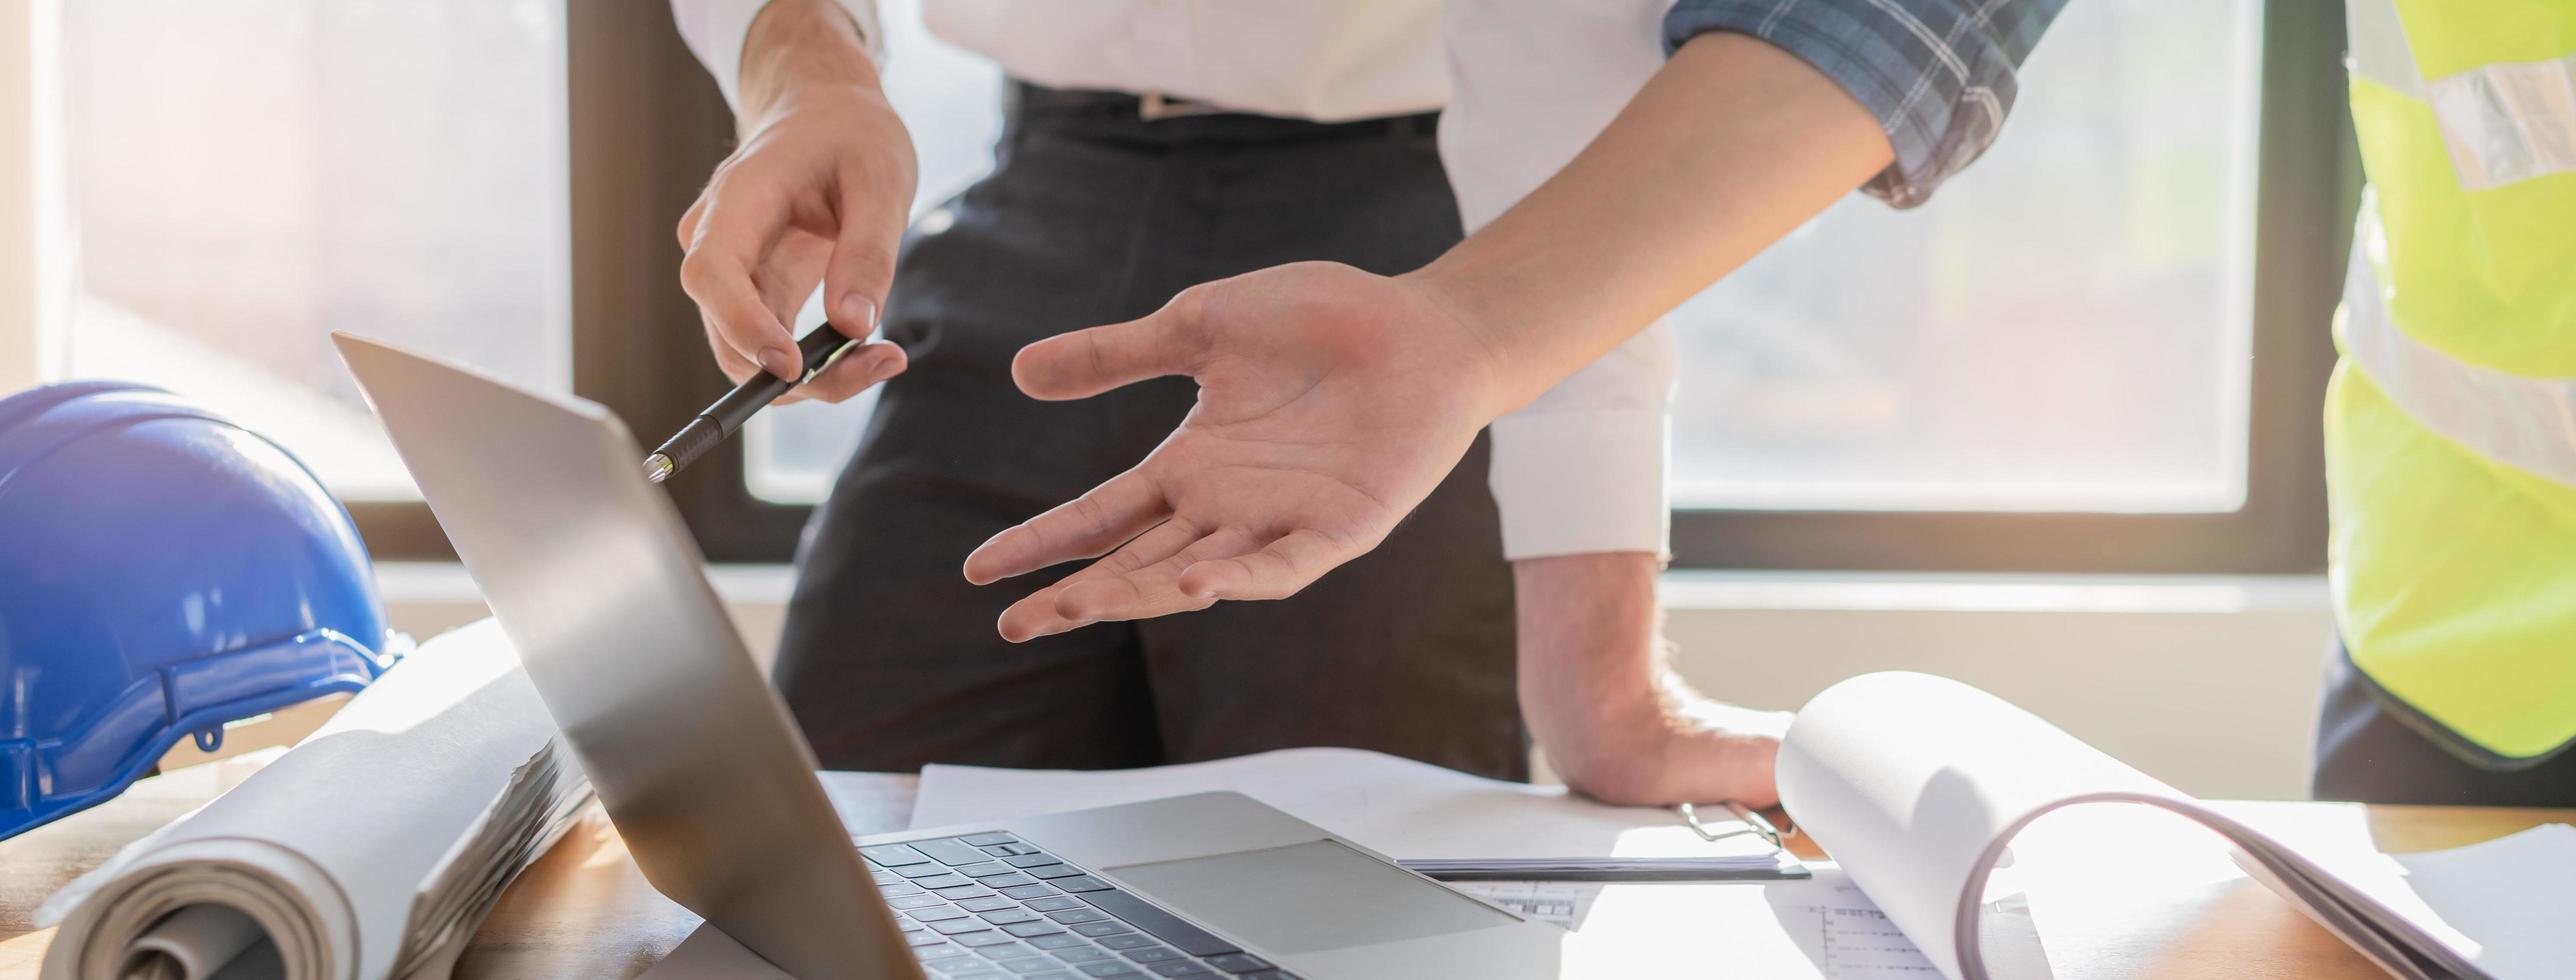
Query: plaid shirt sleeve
[[1938, 74]]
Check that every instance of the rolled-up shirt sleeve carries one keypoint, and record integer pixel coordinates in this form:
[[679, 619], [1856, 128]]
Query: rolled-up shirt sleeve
[[715, 29], [1938, 74], [1582, 469]]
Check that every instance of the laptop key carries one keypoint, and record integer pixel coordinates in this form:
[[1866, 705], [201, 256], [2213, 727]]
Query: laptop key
[[1007, 879], [986, 903], [953, 927], [920, 871], [1031, 860], [1055, 903], [988, 937], [1124, 940], [1164, 925], [1061, 941], [1028, 891], [1080, 954], [1181, 968], [988, 840], [1105, 927], [1037, 964], [937, 882], [922, 938], [940, 913], [1004, 917], [1007, 950], [1150, 954], [894, 855], [1110, 970], [1072, 916], [1084, 883], [1053, 871], [1025, 930], [950, 851], [916, 900], [899, 890], [1238, 963]]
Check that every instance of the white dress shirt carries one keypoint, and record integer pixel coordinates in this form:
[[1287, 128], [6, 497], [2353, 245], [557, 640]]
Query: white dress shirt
[[1526, 84]]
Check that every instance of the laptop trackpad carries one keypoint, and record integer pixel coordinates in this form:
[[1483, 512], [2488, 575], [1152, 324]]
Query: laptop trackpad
[[1307, 897]]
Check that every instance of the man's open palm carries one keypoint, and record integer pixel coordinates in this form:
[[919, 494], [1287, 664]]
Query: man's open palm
[[1331, 402]]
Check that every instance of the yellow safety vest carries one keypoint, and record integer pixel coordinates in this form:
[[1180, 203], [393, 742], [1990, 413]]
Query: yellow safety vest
[[2450, 424]]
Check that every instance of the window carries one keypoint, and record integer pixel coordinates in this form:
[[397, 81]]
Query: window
[[2065, 327], [2100, 349], [239, 179]]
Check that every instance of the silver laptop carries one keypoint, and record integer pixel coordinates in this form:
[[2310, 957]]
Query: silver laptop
[[592, 575]]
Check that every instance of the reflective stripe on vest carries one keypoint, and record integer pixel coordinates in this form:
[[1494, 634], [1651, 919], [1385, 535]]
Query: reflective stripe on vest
[[2502, 123], [2451, 425], [2514, 420]]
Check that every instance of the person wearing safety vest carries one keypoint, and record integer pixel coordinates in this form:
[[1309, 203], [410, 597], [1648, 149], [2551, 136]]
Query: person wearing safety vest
[[2450, 425]]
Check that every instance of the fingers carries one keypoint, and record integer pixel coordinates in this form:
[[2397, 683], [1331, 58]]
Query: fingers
[[1084, 527], [1278, 571], [1151, 589], [861, 268], [1172, 569], [1087, 362], [856, 370], [729, 239], [1037, 614], [728, 360]]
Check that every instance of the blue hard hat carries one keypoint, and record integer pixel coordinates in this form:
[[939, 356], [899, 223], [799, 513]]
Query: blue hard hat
[[162, 572]]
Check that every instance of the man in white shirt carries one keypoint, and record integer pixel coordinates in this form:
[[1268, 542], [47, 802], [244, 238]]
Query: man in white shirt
[[818, 191]]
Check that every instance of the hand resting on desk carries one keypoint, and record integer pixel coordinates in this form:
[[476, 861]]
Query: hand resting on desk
[[1617, 724]]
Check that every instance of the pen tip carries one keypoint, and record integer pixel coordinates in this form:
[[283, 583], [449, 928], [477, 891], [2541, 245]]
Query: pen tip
[[656, 467]]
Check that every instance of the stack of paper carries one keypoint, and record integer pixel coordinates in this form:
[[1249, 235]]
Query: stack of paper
[[372, 849]]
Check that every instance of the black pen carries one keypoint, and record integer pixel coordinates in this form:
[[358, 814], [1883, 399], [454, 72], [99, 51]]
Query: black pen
[[726, 416]]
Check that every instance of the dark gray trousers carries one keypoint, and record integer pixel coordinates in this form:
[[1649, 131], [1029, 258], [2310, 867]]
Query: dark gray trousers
[[890, 659], [2373, 748]]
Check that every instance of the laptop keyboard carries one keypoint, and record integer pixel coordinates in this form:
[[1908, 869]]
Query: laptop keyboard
[[993, 905]]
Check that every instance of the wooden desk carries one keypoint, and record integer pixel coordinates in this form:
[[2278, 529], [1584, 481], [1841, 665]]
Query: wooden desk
[[584, 911]]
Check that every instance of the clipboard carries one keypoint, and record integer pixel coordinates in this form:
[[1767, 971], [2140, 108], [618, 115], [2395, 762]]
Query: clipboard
[[1776, 865]]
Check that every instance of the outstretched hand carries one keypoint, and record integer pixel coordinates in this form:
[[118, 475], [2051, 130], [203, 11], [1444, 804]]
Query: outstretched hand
[[1331, 402]]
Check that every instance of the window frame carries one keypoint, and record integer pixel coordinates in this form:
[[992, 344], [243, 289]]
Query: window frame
[[647, 126], [2307, 182]]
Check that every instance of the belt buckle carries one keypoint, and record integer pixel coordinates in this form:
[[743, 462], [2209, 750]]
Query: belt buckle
[[1155, 107]]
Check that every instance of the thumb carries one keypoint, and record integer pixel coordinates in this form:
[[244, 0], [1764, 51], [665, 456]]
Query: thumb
[[1087, 362], [861, 269]]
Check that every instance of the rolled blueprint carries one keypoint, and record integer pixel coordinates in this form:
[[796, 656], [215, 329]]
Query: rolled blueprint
[[370, 850]]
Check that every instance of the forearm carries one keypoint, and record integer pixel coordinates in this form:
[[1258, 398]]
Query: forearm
[[1590, 649], [1603, 702], [1730, 146], [797, 46]]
